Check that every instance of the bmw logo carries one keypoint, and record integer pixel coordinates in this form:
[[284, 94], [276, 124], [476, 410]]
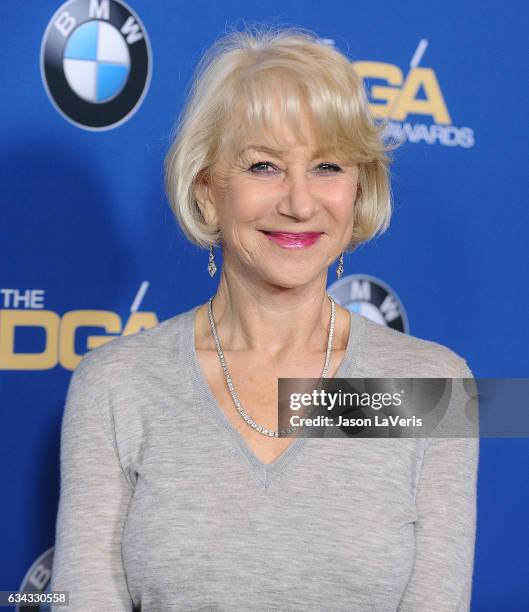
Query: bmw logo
[[371, 298], [36, 585], [95, 63]]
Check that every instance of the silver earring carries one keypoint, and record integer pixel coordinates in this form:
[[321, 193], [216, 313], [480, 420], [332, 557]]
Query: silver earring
[[339, 269], [212, 268]]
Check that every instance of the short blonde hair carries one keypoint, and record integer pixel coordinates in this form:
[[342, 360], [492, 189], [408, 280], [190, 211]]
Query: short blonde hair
[[239, 76]]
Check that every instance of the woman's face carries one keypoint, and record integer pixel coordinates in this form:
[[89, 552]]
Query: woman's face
[[255, 190]]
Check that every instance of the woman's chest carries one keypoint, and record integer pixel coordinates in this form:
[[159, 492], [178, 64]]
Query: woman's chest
[[254, 392], [329, 531]]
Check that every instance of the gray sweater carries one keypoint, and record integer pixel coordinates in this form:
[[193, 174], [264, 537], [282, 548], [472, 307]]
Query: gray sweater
[[163, 506]]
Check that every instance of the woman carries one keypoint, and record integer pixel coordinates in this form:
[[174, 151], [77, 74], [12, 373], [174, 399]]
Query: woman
[[177, 493]]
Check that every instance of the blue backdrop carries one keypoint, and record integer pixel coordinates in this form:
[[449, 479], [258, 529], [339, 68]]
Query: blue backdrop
[[89, 248]]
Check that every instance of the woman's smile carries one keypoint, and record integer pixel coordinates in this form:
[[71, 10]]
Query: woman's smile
[[293, 240]]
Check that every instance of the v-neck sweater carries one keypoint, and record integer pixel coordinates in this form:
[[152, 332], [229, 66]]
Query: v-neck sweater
[[163, 506]]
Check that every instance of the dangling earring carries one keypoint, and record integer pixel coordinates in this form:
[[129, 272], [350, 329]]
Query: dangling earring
[[212, 268], [339, 269]]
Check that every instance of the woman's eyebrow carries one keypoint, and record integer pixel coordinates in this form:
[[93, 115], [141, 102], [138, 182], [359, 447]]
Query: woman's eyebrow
[[262, 148], [265, 149]]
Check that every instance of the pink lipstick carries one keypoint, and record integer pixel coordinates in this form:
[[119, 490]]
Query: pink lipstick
[[290, 240]]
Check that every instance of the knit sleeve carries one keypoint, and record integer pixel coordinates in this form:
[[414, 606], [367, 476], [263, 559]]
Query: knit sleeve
[[93, 503], [445, 530]]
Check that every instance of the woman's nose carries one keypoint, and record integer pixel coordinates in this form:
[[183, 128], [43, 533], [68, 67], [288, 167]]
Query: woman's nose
[[298, 201]]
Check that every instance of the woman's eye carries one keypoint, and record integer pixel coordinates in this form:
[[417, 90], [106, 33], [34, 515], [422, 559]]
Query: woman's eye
[[258, 167]]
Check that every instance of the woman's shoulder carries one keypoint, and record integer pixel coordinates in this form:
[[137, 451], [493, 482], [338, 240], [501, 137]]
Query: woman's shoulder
[[129, 355], [399, 354]]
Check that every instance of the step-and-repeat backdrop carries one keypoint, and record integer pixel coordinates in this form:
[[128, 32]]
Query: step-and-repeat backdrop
[[89, 249]]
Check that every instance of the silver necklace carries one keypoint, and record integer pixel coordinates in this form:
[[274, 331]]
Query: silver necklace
[[231, 388]]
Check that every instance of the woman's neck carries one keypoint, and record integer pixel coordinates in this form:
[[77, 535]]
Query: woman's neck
[[273, 321]]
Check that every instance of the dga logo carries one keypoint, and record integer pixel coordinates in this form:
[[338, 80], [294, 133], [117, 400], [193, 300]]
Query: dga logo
[[371, 298], [394, 96], [60, 339], [96, 63]]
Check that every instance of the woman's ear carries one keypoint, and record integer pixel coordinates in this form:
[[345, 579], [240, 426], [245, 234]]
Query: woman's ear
[[358, 192], [203, 199], [358, 188]]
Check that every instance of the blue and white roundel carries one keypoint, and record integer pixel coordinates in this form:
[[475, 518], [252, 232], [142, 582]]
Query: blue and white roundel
[[372, 298], [96, 61]]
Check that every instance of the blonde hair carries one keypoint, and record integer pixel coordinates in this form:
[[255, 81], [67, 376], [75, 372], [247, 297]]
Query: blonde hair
[[239, 76]]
